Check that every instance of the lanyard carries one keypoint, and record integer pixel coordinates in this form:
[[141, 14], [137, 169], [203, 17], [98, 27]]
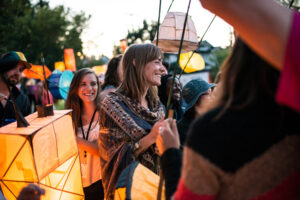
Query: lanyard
[[88, 132]]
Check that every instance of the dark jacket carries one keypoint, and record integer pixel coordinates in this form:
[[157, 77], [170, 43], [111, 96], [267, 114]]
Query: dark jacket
[[7, 113]]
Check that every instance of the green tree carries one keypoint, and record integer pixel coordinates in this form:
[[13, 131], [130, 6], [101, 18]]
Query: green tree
[[144, 34], [221, 54], [33, 29]]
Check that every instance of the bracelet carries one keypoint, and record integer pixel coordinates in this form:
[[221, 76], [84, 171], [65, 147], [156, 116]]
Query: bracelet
[[137, 145]]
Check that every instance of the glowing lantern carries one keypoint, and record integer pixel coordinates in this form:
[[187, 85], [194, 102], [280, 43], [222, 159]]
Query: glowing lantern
[[44, 153], [123, 44], [70, 60], [170, 32], [100, 69], [196, 62], [60, 66], [36, 71]]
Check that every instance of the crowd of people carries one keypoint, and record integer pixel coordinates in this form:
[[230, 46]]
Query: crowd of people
[[237, 138]]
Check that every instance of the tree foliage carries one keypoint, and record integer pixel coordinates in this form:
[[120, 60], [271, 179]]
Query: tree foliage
[[36, 28], [144, 34]]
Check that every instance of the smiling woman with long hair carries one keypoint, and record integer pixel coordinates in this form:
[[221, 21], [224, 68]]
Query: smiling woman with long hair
[[83, 99], [127, 116]]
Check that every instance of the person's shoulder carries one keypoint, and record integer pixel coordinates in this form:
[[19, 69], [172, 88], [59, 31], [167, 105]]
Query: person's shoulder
[[112, 101], [105, 93]]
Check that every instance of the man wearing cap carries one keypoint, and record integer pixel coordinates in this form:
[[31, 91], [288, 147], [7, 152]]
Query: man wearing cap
[[12, 65]]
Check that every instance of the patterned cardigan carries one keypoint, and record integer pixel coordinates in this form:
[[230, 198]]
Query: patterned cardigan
[[123, 122]]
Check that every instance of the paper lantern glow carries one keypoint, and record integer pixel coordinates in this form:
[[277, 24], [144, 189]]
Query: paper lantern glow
[[44, 153], [60, 66], [196, 62], [100, 69], [36, 71], [170, 32], [70, 60]]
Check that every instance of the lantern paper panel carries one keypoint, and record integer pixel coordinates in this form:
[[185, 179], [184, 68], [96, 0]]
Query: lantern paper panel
[[70, 62], [44, 153], [36, 71], [191, 62], [59, 84], [60, 66], [123, 44], [100, 69], [170, 33]]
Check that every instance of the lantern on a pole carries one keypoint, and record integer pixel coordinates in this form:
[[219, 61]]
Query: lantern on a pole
[[70, 62], [170, 33], [36, 71], [100, 69], [60, 66], [44, 153], [191, 62], [123, 44]]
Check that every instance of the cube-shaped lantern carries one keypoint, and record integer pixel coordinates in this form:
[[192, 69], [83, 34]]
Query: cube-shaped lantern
[[44, 153]]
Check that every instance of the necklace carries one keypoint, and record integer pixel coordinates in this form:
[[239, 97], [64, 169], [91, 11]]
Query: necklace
[[88, 132]]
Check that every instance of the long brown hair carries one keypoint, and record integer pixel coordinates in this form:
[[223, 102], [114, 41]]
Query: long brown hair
[[73, 101], [134, 81], [245, 78]]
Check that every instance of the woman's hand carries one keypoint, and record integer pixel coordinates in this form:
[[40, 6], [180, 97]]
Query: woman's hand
[[149, 139], [168, 137], [154, 133]]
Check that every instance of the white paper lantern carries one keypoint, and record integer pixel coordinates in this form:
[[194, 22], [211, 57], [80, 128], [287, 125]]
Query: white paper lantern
[[170, 33]]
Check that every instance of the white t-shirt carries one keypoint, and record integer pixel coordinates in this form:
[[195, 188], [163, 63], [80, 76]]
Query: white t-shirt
[[91, 171]]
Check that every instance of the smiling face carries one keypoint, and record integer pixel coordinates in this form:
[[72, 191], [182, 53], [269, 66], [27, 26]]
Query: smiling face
[[153, 72], [177, 91], [88, 88]]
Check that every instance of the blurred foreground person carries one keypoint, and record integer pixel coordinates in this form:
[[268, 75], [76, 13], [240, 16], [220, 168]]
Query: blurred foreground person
[[83, 99], [127, 116], [246, 147]]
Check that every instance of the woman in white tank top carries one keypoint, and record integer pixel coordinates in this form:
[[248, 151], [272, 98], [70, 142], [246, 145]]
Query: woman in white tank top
[[83, 98]]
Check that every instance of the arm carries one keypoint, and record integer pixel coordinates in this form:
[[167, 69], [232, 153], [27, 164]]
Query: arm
[[171, 160], [263, 24], [91, 147]]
